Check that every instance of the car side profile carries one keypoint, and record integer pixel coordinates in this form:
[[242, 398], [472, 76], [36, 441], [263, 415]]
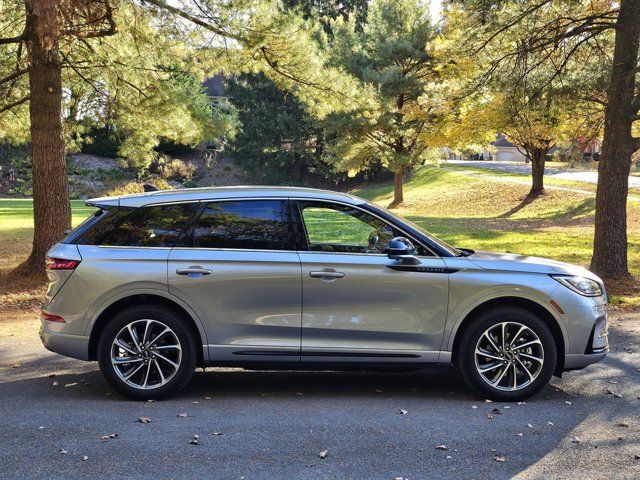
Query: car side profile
[[153, 285]]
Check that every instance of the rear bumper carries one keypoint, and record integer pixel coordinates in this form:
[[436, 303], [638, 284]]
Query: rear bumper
[[581, 360], [75, 346]]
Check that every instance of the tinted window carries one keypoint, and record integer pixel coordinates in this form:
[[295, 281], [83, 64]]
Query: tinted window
[[340, 228], [251, 224], [158, 226], [98, 225]]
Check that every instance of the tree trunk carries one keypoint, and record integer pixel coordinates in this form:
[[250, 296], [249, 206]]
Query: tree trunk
[[538, 159], [398, 194], [51, 208], [610, 240]]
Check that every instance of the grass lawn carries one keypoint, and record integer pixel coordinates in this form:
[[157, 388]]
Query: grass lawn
[[466, 211]]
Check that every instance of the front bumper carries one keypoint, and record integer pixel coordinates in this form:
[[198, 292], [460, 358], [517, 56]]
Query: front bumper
[[581, 360], [75, 346]]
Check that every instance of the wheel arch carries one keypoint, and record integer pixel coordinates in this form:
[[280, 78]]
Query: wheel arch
[[538, 309], [120, 303]]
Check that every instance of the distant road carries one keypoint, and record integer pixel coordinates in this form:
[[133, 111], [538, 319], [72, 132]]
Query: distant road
[[586, 176]]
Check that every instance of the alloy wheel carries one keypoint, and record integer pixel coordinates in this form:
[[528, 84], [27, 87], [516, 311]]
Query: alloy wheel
[[509, 356], [146, 354]]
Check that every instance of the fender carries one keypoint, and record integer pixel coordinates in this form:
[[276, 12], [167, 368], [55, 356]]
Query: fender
[[157, 292], [453, 324]]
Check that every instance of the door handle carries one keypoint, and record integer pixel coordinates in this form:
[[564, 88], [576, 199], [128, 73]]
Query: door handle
[[325, 274], [193, 271]]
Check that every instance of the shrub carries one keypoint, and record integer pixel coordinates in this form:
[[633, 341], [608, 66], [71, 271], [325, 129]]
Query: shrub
[[173, 169]]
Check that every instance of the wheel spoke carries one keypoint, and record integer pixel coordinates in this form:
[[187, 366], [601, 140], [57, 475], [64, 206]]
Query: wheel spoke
[[133, 372], [531, 357], [125, 360], [147, 331], [531, 377], [488, 337], [171, 362], [488, 369], [485, 353], [164, 332], [167, 347], [134, 336], [146, 375], [501, 375], [155, 362], [125, 347], [515, 377], [517, 335], [504, 335], [527, 344]]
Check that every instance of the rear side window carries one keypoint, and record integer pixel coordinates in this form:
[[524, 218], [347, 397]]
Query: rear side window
[[157, 226], [249, 224], [98, 225]]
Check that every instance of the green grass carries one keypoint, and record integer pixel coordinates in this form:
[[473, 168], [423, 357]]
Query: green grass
[[16, 217]]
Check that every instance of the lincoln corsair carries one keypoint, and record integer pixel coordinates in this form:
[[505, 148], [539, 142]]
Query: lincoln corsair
[[153, 285]]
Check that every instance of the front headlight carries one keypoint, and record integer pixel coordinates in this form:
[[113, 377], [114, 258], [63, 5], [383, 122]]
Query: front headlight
[[583, 286]]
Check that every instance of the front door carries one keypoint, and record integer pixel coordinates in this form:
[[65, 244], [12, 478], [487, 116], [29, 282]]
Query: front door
[[239, 272], [356, 308]]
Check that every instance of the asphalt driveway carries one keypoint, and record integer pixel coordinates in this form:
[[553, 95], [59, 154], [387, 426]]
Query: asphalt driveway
[[587, 176], [257, 425]]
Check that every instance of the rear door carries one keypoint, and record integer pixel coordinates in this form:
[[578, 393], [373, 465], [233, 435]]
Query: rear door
[[237, 269]]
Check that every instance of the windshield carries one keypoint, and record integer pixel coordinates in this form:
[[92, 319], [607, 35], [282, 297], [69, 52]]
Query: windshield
[[445, 246]]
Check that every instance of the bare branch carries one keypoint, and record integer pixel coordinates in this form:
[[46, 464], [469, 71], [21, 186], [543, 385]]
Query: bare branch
[[5, 41], [13, 76], [192, 18], [14, 104]]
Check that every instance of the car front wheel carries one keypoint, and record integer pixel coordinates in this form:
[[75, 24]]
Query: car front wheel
[[507, 354], [147, 352]]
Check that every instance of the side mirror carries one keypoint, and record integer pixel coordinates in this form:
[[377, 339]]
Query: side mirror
[[400, 248]]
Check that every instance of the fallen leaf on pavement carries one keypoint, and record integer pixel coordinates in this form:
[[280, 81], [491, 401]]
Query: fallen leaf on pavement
[[323, 453], [144, 419], [85, 458], [63, 451], [442, 447], [519, 434], [195, 440], [499, 458], [617, 395], [55, 384], [623, 424], [550, 424], [488, 401], [402, 412], [575, 440], [104, 438], [217, 433], [496, 411], [182, 415], [474, 406], [529, 425], [568, 402]]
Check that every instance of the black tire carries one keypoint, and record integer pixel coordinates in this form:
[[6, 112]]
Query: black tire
[[171, 319], [466, 358]]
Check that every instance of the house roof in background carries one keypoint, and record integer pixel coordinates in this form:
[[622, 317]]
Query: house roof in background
[[214, 86], [501, 141]]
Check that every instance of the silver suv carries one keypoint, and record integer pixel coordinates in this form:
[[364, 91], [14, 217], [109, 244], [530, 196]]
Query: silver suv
[[153, 285]]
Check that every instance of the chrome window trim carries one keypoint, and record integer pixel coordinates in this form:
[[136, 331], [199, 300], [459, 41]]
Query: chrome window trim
[[296, 199]]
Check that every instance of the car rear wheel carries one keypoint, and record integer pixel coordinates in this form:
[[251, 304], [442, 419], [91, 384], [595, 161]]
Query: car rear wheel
[[507, 354], [147, 352]]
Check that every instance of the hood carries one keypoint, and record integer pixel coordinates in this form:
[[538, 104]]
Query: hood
[[525, 263]]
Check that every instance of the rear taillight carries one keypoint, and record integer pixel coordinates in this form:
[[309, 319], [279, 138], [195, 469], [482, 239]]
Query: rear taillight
[[50, 317], [61, 264]]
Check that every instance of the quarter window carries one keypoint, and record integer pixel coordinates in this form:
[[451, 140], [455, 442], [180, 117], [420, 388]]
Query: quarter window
[[157, 226], [249, 224]]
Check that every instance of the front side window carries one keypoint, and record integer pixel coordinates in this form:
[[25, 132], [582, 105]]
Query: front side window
[[334, 227], [246, 225], [157, 226]]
